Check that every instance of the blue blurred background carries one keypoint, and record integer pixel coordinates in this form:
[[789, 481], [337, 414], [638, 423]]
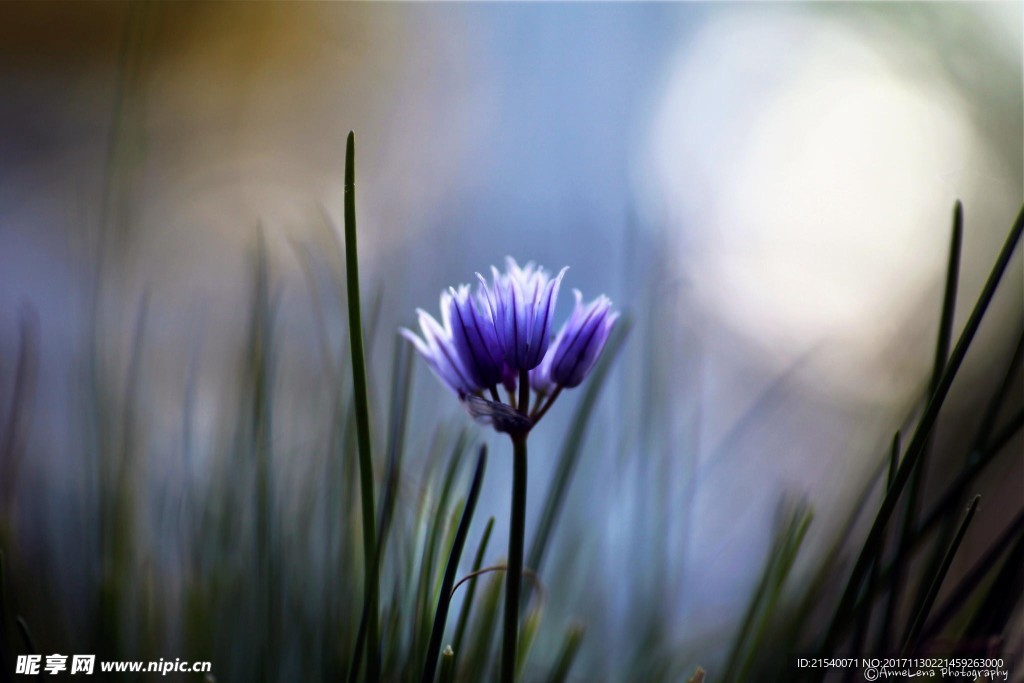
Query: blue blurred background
[[766, 188]]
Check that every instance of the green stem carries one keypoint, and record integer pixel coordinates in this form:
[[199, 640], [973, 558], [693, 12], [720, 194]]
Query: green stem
[[514, 575], [355, 326]]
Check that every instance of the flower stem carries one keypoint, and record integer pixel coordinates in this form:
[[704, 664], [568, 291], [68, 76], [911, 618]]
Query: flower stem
[[514, 575], [542, 410], [523, 405]]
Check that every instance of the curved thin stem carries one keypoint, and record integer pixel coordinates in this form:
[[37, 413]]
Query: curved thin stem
[[527, 572]]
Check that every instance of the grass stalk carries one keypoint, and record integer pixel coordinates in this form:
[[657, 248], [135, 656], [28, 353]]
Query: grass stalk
[[362, 406], [445, 595], [910, 641], [981, 569], [917, 445], [570, 647], [467, 602], [911, 510]]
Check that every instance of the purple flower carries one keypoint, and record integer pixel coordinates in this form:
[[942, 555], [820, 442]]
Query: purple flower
[[575, 350], [522, 303], [474, 336], [488, 336], [440, 350]]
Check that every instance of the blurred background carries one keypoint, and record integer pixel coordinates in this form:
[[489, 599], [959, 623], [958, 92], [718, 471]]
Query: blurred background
[[767, 190]]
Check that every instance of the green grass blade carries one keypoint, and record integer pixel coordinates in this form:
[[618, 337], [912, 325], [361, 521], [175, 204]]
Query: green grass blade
[[447, 664], [478, 663], [570, 647], [762, 605], [1001, 599], [945, 334], [527, 633], [398, 418], [423, 615], [889, 612], [445, 595], [911, 639], [362, 408], [967, 585], [796, 533], [951, 497], [917, 444], [467, 602], [319, 315], [995, 403], [572, 449]]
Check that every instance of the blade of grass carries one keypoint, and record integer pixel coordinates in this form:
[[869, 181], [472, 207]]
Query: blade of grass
[[830, 565], [423, 613], [950, 498], [570, 647], [910, 640], [362, 408], [839, 622], [260, 377], [527, 633], [945, 334], [985, 446], [398, 418], [864, 613], [975, 576], [995, 403], [445, 595], [478, 662], [762, 606], [447, 664], [889, 613], [1000, 601], [801, 522], [305, 259], [571, 450], [467, 602]]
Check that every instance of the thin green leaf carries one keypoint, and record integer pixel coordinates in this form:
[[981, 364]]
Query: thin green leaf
[[467, 602], [911, 511], [424, 614], [398, 417], [477, 664], [445, 594], [871, 545], [570, 646], [911, 638], [761, 608], [982, 568], [362, 409]]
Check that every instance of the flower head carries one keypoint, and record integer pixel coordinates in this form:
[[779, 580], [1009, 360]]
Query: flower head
[[488, 338], [576, 348], [522, 302]]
